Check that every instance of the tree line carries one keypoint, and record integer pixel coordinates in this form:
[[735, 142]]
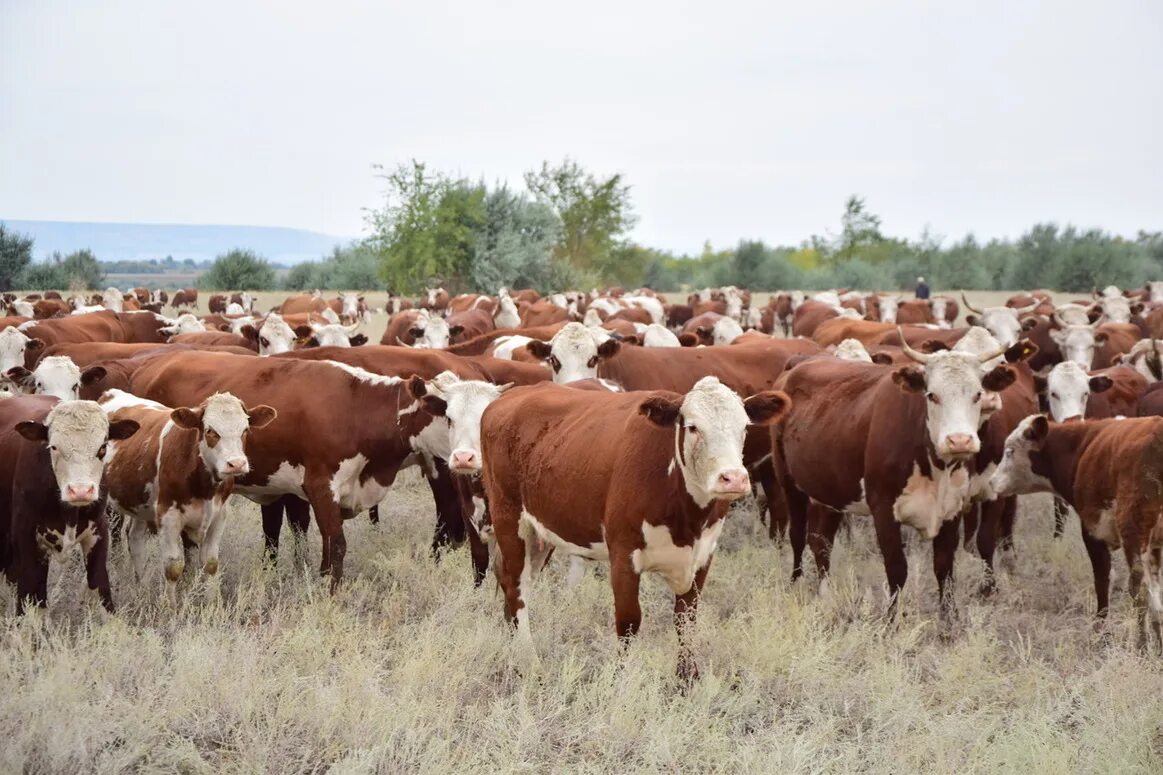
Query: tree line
[[570, 228]]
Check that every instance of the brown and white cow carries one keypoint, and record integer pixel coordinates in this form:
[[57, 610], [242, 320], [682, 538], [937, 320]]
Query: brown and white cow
[[420, 329], [434, 300], [174, 476], [711, 328], [17, 348], [185, 297], [1004, 323], [52, 491], [896, 443], [1111, 472], [641, 481]]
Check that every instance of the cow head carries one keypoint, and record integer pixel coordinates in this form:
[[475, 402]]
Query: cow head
[[954, 385], [724, 331], [461, 403], [77, 434], [1119, 309], [709, 424], [56, 375], [852, 350], [275, 336], [574, 352], [1003, 322], [658, 335], [1077, 341], [939, 306], [433, 333], [506, 315], [223, 422], [14, 343], [1022, 469], [1154, 290], [887, 305], [330, 335], [184, 324], [1146, 357], [1068, 387]]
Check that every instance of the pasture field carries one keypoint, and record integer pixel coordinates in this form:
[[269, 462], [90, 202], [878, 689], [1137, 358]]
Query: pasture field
[[408, 668]]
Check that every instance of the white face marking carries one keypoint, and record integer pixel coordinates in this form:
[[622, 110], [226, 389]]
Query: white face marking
[[1077, 343], [1003, 323], [725, 331], [1015, 475], [506, 315], [349, 305], [12, 346], [275, 336], [1073, 314], [940, 308], [23, 308], [712, 449], [111, 299], [659, 336], [852, 350], [435, 335], [1111, 292], [234, 308], [1117, 309], [334, 335], [187, 324], [676, 564], [888, 308], [57, 376], [953, 402], [926, 503], [225, 421], [574, 353], [78, 432], [466, 401], [1068, 388]]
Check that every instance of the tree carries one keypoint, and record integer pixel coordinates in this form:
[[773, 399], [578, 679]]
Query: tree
[[595, 214], [513, 246], [238, 270], [15, 255]]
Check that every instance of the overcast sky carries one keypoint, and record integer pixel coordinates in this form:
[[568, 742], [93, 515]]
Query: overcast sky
[[728, 119]]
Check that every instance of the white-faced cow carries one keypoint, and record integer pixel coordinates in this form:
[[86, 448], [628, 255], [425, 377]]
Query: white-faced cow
[[1004, 323], [15, 347]]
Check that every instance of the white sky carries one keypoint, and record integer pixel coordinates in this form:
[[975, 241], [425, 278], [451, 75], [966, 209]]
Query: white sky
[[729, 119]]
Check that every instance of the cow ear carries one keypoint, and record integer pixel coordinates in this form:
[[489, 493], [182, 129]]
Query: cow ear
[[767, 407], [609, 348], [1024, 350], [185, 417], [92, 375], [248, 331], [932, 346], [1029, 324], [910, 379], [304, 332], [661, 409], [120, 430], [1041, 385], [417, 388], [1000, 378], [540, 350], [884, 359], [972, 320], [358, 340], [688, 340], [632, 340], [1136, 308], [33, 431], [18, 374], [33, 344], [1101, 383], [1101, 337], [261, 415], [1038, 429], [434, 405]]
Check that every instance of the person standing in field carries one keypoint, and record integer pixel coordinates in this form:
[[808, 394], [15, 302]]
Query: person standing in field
[[922, 291]]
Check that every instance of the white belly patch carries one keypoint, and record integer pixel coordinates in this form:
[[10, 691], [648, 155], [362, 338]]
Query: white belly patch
[[676, 564], [926, 504], [595, 551]]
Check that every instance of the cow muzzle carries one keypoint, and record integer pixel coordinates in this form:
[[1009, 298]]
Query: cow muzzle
[[730, 485], [464, 461], [80, 494], [961, 445], [236, 467]]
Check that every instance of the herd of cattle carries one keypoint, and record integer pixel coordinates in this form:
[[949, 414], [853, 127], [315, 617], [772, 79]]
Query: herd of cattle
[[607, 426]]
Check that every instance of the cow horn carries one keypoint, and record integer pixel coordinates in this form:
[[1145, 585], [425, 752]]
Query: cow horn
[[969, 306], [919, 357]]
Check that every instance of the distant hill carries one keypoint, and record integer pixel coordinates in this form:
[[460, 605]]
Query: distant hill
[[201, 242]]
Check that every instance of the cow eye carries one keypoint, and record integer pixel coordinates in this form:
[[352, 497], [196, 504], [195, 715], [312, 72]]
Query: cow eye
[[592, 362], [691, 428], [52, 447], [265, 342], [554, 363], [101, 452], [1054, 396], [933, 398], [977, 397]]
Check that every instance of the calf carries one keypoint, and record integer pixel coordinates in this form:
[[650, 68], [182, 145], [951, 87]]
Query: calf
[[1111, 472], [641, 481], [52, 491], [176, 473]]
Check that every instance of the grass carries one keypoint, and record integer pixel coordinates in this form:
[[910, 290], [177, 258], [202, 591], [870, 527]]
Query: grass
[[410, 668]]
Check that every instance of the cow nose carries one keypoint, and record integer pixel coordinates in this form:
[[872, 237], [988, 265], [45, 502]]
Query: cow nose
[[81, 493], [238, 465], [733, 482], [465, 459], [961, 443]]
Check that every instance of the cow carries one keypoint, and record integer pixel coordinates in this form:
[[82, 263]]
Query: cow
[[52, 492], [809, 315], [101, 326], [469, 324], [434, 300], [543, 313], [17, 348], [1146, 358], [175, 474], [944, 310], [330, 335], [418, 328], [1111, 472], [711, 328], [183, 324], [302, 303], [350, 307], [894, 442], [55, 375], [217, 303], [1004, 323], [917, 311], [657, 335], [185, 297], [217, 339], [641, 481]]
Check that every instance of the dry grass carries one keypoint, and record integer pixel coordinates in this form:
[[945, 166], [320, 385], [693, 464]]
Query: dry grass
[[409, 668]]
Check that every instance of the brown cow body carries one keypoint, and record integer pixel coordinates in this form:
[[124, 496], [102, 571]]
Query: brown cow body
[[542, 313], [97, 327], [472, 322], [809, 315], [185, 297]]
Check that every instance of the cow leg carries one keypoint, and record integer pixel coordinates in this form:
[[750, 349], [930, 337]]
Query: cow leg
[[450, 530], [1059, 516], [272, 526], [969, 525], [215, 524], [329, 518], [96, 550], [685, 609], [944, 551], [987, 532], [797, 522], [1005, 535], [32, 583], [173, 552], [1153, 574], [892, 550], [777, 513], [1100, 563], [136, 538], [823, 522], [1135, 588], [515, 577], [473, 523], [627, 611]]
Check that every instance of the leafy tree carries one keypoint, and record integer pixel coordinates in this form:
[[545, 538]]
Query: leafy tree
[[595, 215], [15, 255], [81, 270], [238, 270], [513, 246]]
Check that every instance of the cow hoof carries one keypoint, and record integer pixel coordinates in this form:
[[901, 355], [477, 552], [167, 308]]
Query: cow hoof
[[211, 566], [174, 569]]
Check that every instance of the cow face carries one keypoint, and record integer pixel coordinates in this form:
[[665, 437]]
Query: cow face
[[1077, 342], [506, 315], [275, 336], [1068, 388], [184, 324], [222, 422], [887, 307], [1155, 291], [710, 422], [725, 331], [940, 308], [331, 335], [852, 350], [54, 376], [461, 403], [432, 333], [574, 352], [1001, 322], [13, 345], [1118, 309], [349, 306], [1016, 474], [954, 387], [77, 434]]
